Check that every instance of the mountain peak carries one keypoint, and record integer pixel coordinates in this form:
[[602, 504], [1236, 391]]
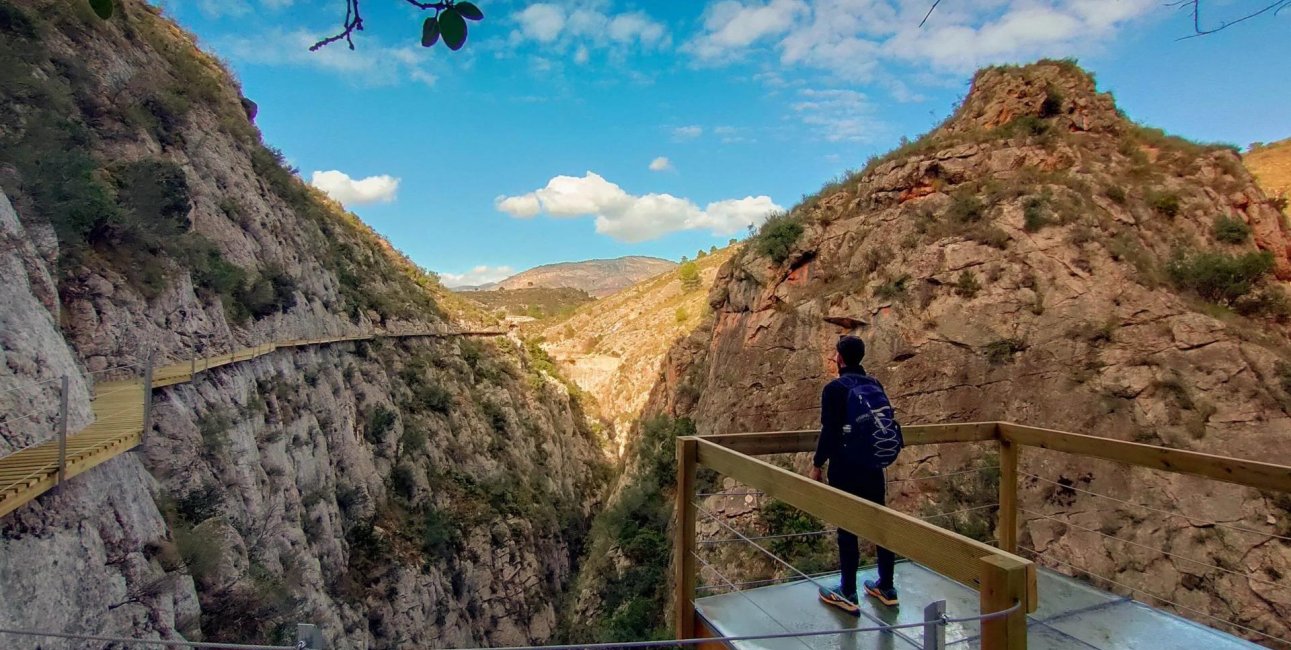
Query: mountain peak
[[1059, 91]]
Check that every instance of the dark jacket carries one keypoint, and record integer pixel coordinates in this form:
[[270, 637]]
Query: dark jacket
[[833, 413]]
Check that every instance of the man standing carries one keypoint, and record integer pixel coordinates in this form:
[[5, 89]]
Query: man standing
[[858, 438]]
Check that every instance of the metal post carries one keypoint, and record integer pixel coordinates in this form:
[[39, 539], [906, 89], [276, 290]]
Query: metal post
[[62, 431], [308, 637], [147, 398], [934, 626], [684, 541]]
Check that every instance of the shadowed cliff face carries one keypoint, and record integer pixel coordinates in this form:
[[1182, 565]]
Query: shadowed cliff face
[[434, 493], [1039, 259]]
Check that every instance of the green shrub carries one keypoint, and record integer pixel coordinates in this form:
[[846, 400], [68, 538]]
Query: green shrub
[[1002, 351], [967, 285], [496, 416], [201, 553], [1116, 193], [892, 289], [402, 481], [1033, 215], [440, 537], [1052, 104], [413, 440], [1230, 231], [777, 237], [154, 196], [965, 207], [214, 427], [1283, 370], [688, 273], [1270, 300], [989, 235], [200, 503], [681, 316], [1024, 125], [1219, 277], [431, 397], [1165, 203], [379, 422], [784, 519]]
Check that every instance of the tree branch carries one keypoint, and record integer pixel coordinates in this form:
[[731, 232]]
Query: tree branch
[[354, 22], [929, 14], [1194, 7]]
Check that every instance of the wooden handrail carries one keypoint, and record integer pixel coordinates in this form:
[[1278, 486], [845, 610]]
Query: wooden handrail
[[788, 442], [946, 552], [1251, 473]]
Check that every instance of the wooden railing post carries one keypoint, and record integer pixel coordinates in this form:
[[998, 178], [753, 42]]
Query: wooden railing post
[[684, 539], [62, 430], [1008, 519], [1004, 583], [147, 398]]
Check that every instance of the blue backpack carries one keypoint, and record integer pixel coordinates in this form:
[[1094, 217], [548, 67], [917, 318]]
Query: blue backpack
[[871, 436]]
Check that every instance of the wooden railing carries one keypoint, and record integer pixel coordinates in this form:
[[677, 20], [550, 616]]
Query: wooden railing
[[1001, 577]]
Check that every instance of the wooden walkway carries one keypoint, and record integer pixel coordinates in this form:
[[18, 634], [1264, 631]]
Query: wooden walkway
[[118, 425]]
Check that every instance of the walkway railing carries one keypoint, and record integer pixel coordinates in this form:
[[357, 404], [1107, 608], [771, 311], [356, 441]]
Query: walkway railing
[[990, 570], [123, 413]]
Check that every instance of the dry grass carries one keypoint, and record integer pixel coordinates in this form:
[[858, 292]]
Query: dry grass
[[1271, 166]]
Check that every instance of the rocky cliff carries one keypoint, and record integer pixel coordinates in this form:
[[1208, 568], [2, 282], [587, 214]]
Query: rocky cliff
[[1037, 258], [427, 491]]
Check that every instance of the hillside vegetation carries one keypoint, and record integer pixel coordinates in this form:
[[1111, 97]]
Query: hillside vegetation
[[613, 348], [538, 303]]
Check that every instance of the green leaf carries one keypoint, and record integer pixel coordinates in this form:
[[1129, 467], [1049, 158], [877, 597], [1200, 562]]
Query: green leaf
[[453, 28], [469, 11], [429, 32], [102, 7]]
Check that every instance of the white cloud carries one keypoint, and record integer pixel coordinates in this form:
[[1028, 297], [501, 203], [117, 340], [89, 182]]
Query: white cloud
[[370, 65], [661, 164], [852, 38], [541, 22], [688, 132], [838, 115], [631, 218], [221, 8], [348, 191], [580, 26], [482, 274], [730, 26]]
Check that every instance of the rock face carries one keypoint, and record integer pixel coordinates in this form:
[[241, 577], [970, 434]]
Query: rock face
[[1038, 259], [434, 492], [599, 278], [613, 348]]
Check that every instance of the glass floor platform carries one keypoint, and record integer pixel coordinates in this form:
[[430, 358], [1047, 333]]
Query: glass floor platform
[[1071, 614]]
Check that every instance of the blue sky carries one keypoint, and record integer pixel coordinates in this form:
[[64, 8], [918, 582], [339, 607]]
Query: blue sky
[[599, 128]]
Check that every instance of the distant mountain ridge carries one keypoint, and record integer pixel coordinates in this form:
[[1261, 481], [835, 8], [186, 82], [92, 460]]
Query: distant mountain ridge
[[599, 278]]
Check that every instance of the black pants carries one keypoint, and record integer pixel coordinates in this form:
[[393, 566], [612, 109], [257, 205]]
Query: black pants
[[870, 485]]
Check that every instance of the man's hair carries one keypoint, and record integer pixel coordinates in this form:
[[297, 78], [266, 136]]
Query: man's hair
[[852, 349]]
